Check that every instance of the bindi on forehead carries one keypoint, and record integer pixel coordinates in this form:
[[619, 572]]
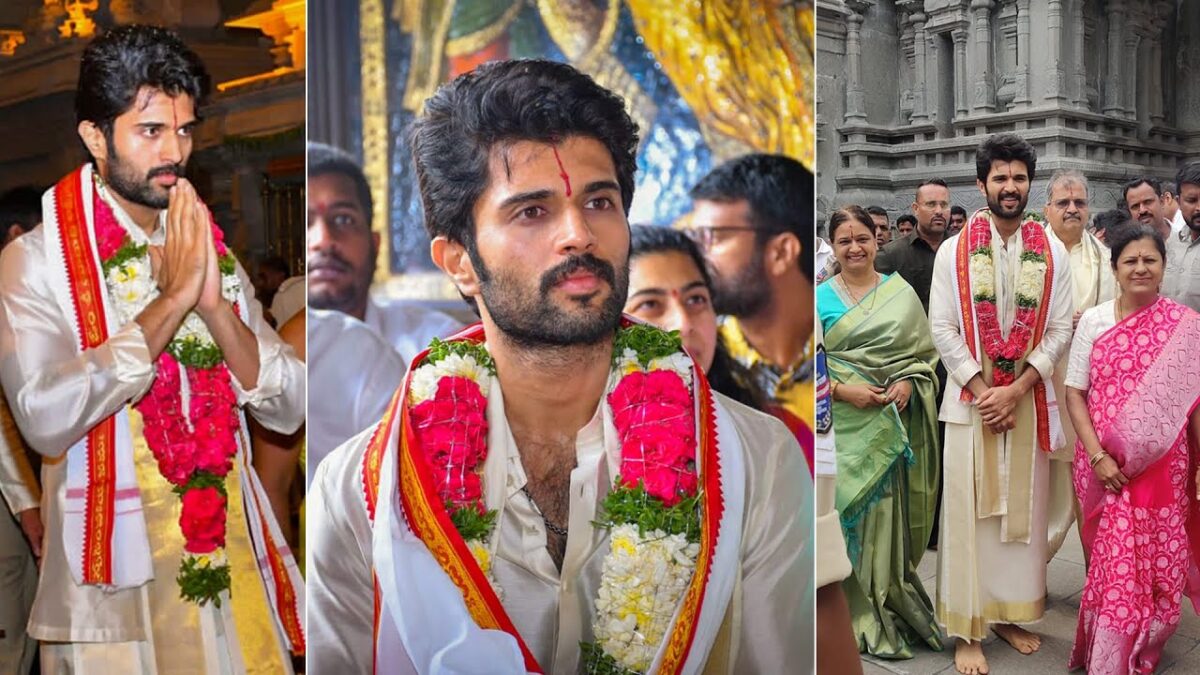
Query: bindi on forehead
[[562, 171]]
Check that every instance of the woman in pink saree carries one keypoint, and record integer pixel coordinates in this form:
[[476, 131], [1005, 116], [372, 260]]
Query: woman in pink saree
[[1134, 385]]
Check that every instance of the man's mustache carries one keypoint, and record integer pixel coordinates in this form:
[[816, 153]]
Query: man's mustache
[[329, 260], [586, 262], [175, 170]]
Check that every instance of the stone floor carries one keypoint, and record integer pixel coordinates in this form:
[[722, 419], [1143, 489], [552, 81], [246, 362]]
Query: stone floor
[[1064, 580]]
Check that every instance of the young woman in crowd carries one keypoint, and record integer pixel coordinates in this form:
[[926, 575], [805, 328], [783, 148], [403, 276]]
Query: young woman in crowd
[[669, 287]]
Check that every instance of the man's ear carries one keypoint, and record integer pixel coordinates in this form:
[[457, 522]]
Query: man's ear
[[93, 139], [782, 254], [451, 257]]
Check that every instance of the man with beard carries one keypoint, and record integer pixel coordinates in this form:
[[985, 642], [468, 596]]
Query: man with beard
[[1181, 282], [1144, 200], [475, 529], [1092, 282], [958, 218], [1000, 312], [752, 218], [342, 254], [155, 522], [912, 255]]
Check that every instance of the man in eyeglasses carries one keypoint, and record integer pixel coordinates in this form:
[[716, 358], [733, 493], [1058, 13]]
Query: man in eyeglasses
[[1092, 283], [753, 218]]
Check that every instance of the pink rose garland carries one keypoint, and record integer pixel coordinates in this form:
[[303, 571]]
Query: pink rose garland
[[655, 421]]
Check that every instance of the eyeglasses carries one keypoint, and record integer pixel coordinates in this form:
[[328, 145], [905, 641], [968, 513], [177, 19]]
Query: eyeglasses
[[706, 235], [1062, 204]]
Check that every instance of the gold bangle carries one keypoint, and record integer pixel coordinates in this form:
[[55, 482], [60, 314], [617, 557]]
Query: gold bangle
[[1095, 459], [833, 390]]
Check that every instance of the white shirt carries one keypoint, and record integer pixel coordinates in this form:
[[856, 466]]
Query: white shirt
[[408, 326], [944, 319], [771, 608], [1092, 325], [353, 374], [289, 299]]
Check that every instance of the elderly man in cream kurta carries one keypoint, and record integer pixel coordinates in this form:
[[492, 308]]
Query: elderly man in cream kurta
[[992, 561], [1093, 283]]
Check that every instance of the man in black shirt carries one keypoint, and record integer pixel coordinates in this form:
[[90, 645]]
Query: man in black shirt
[[912, 255]]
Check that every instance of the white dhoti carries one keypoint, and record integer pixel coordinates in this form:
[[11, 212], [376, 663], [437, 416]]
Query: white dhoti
[[982, 579]]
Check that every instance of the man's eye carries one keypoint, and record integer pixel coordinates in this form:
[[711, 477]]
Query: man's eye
[[647, 306], [531, 212], [600, 203], [699, 300]]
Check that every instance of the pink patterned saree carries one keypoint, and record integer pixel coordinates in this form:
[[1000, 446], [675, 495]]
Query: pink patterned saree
[[1143, 543]]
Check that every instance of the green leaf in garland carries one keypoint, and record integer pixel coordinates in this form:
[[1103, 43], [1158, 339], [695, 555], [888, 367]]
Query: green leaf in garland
[[227, 264], [202, 479], [202, 583], [596, 662], [193, 353], [123, 255], [470, 523], [633, 505], [648, 342], [440, 349]]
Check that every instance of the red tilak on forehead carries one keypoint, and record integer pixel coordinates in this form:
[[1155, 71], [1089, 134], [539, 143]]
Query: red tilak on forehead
[[562, 170]]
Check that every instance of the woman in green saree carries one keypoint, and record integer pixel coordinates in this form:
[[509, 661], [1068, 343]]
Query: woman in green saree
[[881, 361]]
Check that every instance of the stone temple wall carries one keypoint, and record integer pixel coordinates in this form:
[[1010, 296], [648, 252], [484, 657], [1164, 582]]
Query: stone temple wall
[[908, 88]]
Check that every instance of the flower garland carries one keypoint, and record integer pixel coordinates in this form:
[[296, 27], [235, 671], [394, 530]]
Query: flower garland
[[1031, 280], [653, 510], [190, 413]]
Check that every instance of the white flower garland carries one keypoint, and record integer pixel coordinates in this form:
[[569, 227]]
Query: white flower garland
[[643, 577]]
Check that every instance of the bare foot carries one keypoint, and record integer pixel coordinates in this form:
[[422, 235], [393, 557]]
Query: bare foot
[[968, 658], [1020, 639]]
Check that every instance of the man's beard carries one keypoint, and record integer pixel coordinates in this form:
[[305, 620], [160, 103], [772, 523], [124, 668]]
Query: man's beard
[[125, 182], [994, 204], [346, 299], [1193, 223], [531, 319], [746, 293]]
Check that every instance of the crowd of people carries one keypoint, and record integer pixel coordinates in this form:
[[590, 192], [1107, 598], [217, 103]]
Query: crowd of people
[[1023, 371]]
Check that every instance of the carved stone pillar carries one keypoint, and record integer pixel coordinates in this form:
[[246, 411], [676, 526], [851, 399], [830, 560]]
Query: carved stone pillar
[[1115, 81], [1022, 100], [959, 35], [985, 92], [1056, 86], [1079, 61], [856, 105], [1156, 93], [1133, 65], [920, 61]]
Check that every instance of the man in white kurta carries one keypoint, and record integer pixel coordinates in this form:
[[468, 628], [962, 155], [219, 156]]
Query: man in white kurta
[[131, 618], [536, 235], [769, 622], [985, 576], [1092, 282]]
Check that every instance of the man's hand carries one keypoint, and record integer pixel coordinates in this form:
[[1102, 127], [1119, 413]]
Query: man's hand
[[180, 265], [1075, 319], [31, 525], [1003, 425], [210, 295], [998, 403]]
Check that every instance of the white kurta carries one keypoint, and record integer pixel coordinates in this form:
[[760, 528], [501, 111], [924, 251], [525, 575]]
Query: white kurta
[[1093, 283], [57, 395], [354, 374], [771, 612], [408, 326], [982, 579]]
